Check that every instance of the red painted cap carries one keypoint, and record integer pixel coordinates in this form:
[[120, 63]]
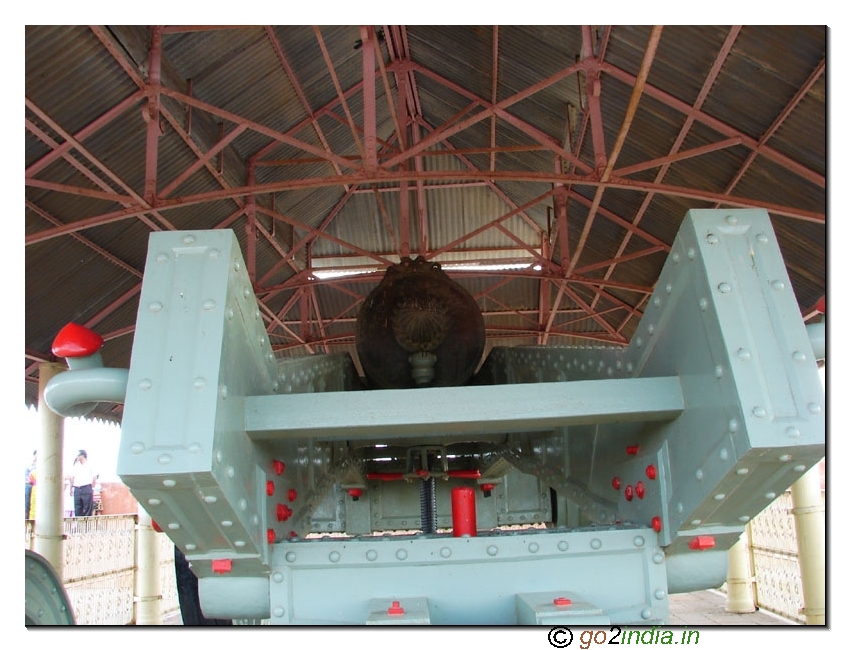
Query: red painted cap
[[701, 542], [76, 341], [656, 524], [560, 601], [395, 609], [222, 566]]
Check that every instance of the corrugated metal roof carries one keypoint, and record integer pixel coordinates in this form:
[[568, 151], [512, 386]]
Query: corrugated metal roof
[[729, 116]]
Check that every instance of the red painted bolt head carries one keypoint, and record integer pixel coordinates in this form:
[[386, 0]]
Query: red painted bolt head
[[651, 472], [656, 524], [270, 536], [155, 526], [632, 450], [283, 512], [560, 601], [395, 609], [640, 489], [291, 495], [269, 488], [355, 493], [615, 483], [629, 493], [278, 466]]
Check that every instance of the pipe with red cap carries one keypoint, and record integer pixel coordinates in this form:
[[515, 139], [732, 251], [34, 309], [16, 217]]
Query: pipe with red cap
[[75, 392]]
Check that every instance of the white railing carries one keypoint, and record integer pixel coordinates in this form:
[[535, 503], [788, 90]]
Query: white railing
[[99, 567], [772, 540]]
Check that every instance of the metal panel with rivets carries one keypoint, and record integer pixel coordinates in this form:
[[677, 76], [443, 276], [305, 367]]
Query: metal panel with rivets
[[278, 478]]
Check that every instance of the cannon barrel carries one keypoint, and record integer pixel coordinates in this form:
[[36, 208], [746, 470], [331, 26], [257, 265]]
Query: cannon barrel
[[419, 327]]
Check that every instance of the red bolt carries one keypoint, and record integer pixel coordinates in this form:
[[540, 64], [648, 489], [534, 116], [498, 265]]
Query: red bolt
[[270, 536], [651, 472], [284, 512], [656, 524], [629, 493], [355, 493], [293, 534], [487, 488], [291, 495], [278, 466], [560, 601], [222, 566], [701, 543], [640, 490], [269, 488], [395, 609], [632, 450], [616, 483], [155, 526]]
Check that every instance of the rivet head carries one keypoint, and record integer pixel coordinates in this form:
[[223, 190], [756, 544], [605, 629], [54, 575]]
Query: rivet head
[[778, 285], [724, 287], [596, 544], [290, 556], [761, 238], [792, 432], [563, 545], [401, 554], [278, 612], [492, 550], [334, 556], [646, 614], [703, 304], [711, 238], [798, 356], [533, 547], [638, 541], [759, 411], [371, 555], [744, 355], [814, 408]]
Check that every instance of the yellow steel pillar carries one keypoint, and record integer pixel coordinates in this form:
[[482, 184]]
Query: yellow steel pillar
[[148, 596], [49, 521], [808, 514], [739, 593]]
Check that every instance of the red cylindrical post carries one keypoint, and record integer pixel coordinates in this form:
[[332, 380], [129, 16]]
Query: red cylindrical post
[[463, 512]]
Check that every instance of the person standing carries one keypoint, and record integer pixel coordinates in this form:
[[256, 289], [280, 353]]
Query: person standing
[[82, 483], [29, 481]]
